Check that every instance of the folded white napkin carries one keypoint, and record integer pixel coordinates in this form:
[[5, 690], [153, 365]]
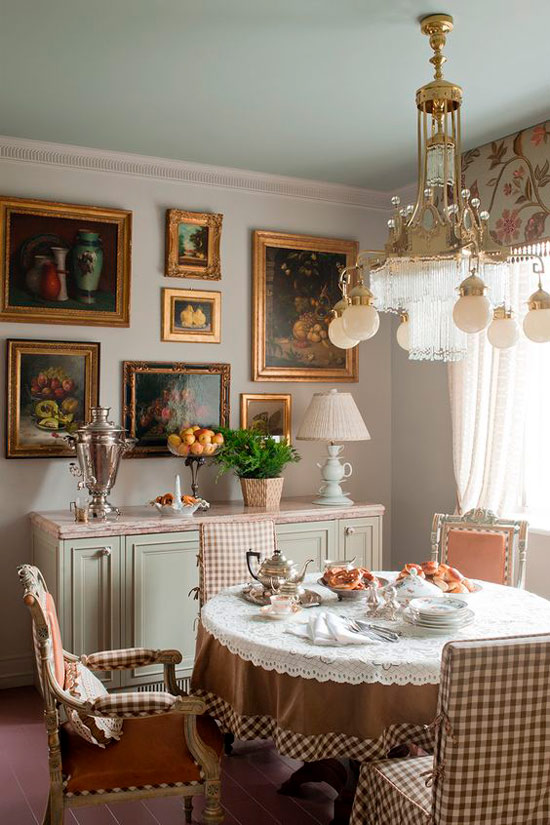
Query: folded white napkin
[[328, 629]]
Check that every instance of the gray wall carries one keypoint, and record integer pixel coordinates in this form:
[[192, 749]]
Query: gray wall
[[28, 484]]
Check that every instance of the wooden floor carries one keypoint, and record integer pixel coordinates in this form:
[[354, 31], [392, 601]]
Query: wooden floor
[[251, 777]]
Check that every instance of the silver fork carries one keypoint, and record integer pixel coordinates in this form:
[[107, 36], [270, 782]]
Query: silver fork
[[367, 631]]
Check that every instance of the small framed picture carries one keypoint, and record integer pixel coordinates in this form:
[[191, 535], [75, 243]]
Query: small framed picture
[[191, 316], [267, 413], [193, 244], [51, 387], [161, 398], [64, 263]]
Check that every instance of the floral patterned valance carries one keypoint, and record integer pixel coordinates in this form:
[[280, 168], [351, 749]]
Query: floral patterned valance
[[511, 178]]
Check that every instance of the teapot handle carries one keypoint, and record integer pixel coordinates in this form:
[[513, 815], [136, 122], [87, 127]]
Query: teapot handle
[[249, 555]]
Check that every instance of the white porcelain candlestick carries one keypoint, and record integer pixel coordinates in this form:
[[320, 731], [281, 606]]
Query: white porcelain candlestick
[[333, 472], [177, 493]]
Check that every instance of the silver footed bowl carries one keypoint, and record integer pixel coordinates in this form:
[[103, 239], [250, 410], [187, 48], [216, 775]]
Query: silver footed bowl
[[351, 595]]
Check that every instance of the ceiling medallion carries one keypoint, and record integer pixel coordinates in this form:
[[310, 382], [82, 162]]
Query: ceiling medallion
[[436, 247]]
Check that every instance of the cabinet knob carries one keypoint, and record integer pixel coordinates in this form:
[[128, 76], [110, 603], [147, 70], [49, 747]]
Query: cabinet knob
[[105, 551], [350, 531]]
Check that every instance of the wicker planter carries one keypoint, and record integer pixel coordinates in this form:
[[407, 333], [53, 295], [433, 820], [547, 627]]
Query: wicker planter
[[262, 492]]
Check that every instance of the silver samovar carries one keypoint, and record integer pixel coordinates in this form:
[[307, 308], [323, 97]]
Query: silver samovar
[[99, 446]]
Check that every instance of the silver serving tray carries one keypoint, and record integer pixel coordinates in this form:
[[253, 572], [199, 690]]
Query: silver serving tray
[[257, 595]]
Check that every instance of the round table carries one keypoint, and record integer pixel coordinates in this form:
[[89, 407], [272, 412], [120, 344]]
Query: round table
[[260, 681]]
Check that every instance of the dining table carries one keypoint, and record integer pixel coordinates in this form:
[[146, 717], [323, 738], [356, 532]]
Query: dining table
[[322, 703]]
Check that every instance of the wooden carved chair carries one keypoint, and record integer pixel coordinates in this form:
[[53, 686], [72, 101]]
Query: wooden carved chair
[[106, 748], [482, 546], [222, 553], [491, 763]]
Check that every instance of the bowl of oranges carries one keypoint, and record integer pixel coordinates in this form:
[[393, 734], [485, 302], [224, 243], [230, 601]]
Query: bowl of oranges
[[195, 441]]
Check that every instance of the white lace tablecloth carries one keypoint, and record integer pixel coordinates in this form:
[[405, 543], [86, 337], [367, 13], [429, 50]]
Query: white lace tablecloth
[[415, 659]]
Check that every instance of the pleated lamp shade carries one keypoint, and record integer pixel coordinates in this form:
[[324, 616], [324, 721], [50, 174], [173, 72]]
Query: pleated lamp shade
[[333, 416]]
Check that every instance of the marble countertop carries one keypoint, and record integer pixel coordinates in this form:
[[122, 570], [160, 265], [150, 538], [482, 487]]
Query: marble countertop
[[133, 520]]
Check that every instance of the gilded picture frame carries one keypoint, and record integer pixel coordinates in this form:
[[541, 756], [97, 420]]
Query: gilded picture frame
[[193, 244], [160, 398], [268, 413], [51, 387], [295, 285], [191, 316], [89, 250]]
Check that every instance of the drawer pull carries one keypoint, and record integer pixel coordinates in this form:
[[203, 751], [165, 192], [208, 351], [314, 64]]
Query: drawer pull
[[105, 551], [350, 531]]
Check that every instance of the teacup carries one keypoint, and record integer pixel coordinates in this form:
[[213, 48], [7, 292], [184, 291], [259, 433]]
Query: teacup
[[282, 604]]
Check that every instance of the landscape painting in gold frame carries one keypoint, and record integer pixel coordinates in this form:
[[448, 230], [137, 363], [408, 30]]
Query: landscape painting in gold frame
[[267, 414], [64, 263], [191, 316], [52, 386], [193, 244], [295, 286]]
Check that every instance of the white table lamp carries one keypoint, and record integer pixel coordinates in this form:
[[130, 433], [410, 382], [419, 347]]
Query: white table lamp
[[333, 416]]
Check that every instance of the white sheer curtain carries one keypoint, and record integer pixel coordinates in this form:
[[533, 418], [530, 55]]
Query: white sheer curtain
[[500, 407]]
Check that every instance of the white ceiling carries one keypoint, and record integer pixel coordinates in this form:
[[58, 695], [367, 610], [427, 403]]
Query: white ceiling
[[321, 89]]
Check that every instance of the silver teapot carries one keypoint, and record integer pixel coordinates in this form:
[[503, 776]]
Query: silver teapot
[[278, 573], [99, 446]]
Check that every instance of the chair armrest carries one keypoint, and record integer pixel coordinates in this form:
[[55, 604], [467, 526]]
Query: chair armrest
[[144, 703], [129, 658]]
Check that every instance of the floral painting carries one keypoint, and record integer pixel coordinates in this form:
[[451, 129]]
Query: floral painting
[[295, 288], [162, 398], [51, 387], [511, 176]]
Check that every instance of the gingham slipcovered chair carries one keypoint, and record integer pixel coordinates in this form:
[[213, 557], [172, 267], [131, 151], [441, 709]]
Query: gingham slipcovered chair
[[491, 764], [124, 746], [482, 546], [222, 553]]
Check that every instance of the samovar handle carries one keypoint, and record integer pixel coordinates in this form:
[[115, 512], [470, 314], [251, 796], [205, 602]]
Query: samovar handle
[[84, 479], [249, 555]]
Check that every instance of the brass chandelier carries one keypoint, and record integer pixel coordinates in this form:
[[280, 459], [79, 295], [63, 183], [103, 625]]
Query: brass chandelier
[[437, 246]]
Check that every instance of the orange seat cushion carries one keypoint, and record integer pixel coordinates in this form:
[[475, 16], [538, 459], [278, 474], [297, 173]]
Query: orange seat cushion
[[478, 555], [57, 645], [152, 751]]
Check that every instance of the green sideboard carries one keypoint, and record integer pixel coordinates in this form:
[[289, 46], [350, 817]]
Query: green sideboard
[[126, 583]]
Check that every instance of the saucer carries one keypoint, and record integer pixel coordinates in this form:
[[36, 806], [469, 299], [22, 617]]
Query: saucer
[[269, 613]]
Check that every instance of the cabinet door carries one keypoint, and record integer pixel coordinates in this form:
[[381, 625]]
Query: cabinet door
[[160, 570], [361, 538], [314, 540], [91, 598]]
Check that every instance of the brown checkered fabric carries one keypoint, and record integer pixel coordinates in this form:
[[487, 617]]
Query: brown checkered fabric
[[138, 703], [396, 792], [222, 555], [125, 659], [311, 748], [492, 751]]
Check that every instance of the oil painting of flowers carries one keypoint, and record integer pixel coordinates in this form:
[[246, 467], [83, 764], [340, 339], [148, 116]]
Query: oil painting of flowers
[[295, 288], [164, 398]]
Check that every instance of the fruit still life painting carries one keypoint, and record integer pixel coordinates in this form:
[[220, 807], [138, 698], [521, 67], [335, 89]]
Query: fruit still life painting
[[51, 387], [193, 316], [163, 403]]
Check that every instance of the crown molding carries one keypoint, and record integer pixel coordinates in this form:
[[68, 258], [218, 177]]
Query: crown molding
[[23, 150]]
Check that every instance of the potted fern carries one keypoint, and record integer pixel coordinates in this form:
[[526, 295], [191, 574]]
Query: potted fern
[[258, 462]]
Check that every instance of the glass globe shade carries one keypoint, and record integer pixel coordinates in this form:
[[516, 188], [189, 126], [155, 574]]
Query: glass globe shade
[[472, 313], [536, 325], [403, 335], [360, 322], [338, 337], [503, 333]]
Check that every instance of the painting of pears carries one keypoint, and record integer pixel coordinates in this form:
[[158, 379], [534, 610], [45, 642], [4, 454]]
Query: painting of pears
[[191, 315], [188, 316]]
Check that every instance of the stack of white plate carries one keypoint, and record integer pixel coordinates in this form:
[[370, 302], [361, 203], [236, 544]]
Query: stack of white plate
[[439, 615]]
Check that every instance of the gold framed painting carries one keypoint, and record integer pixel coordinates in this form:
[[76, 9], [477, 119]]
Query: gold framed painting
[[51, 387], [191, 316], [160, 398], [267, 413], [295, 286], [63, 263], [193, 244]]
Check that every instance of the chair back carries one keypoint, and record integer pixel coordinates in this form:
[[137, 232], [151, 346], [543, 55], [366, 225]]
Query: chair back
[[222, 554], [482, 546], [48, 648], [492, 742]]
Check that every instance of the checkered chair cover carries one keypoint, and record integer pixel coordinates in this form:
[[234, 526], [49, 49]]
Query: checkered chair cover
[[222, 554], [492, 744]]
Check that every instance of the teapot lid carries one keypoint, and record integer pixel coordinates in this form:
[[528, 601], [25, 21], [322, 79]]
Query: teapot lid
[[100, 422]]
